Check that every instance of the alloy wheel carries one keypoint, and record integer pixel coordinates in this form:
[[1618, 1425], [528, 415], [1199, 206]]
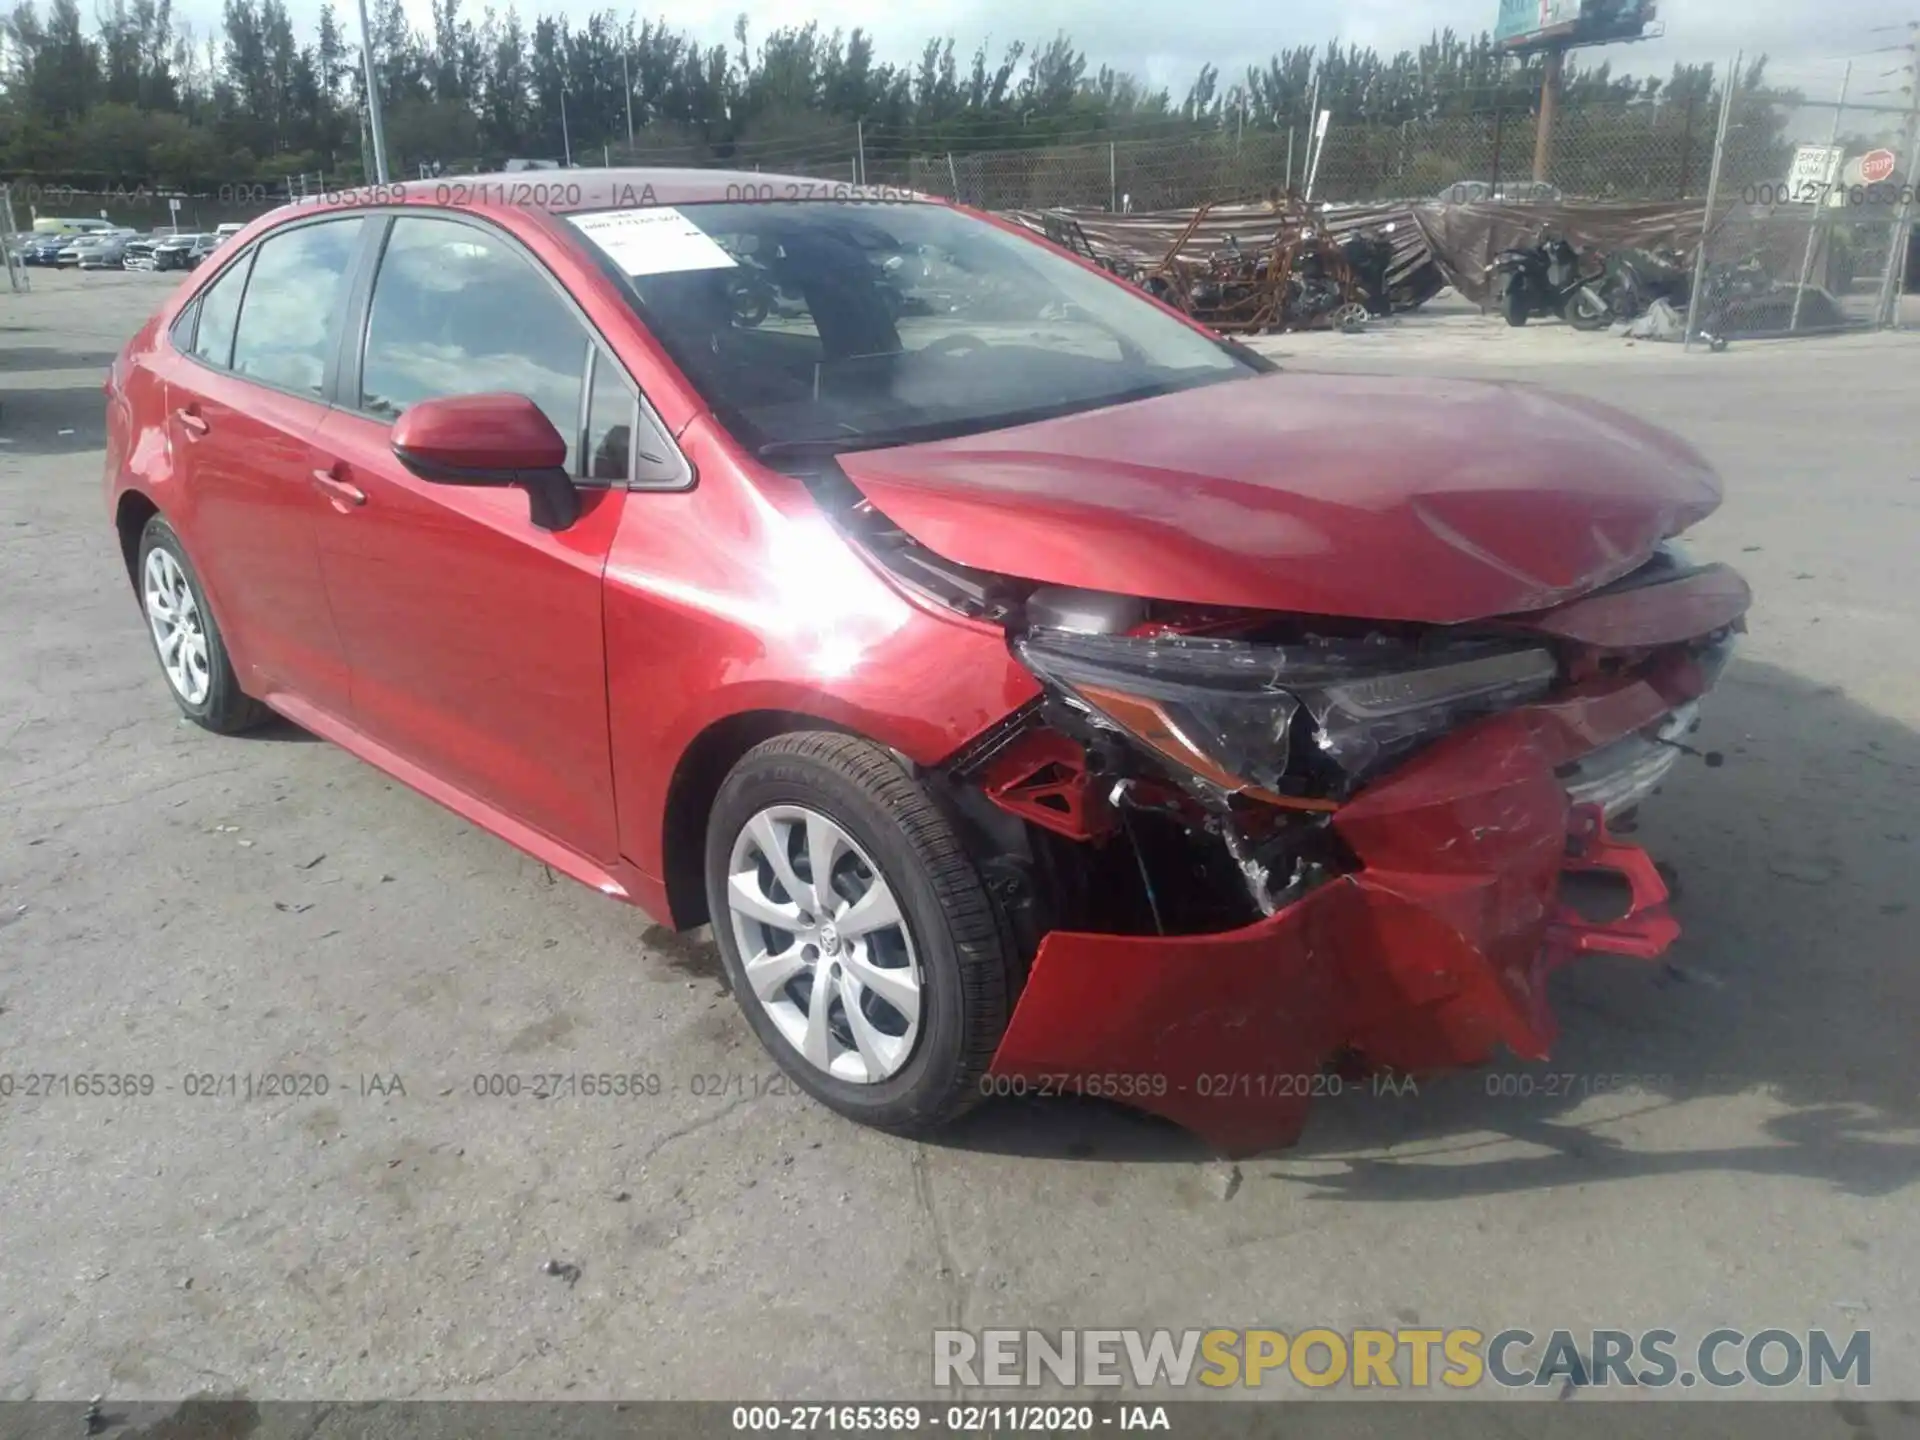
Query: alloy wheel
[[824, 944], [1350, 317], [179, 632]]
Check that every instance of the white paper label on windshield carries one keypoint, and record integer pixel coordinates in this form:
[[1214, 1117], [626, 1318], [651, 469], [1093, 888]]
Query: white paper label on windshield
[[657, 240]]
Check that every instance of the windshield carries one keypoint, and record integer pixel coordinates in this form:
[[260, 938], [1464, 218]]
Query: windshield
[[841, 325]]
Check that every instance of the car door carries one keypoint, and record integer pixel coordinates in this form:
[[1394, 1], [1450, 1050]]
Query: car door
[[475, 638], [246, 390]]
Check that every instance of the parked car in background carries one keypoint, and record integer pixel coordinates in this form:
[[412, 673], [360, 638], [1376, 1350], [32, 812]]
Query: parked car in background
[[183, 252], [102, 250], [1035, 694], [137, 253], [71, 227], [43, 249], [224, 233]]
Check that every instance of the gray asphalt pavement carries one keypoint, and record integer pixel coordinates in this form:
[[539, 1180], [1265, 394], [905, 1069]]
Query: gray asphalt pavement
[[175, 904]]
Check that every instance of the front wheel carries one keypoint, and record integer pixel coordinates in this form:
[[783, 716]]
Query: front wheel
[[856, 932], [1514, 305]]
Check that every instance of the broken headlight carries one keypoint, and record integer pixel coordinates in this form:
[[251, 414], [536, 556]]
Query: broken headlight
[[1227, 710]]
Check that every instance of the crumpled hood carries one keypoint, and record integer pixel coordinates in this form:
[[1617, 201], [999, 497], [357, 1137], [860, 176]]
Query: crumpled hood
[[1383, 498]]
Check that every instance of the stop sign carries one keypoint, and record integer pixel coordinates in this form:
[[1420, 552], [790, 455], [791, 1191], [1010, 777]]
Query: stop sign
[[1876, 165]]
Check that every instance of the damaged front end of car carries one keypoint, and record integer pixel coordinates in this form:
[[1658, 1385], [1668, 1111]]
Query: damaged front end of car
[[1245, 852]]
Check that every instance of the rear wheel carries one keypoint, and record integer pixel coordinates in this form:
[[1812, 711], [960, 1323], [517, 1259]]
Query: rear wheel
[[1587, 311], [192, 654], [751, 305], [857, 935]]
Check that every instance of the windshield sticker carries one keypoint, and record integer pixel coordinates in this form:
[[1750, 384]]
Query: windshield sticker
[[657, 240]]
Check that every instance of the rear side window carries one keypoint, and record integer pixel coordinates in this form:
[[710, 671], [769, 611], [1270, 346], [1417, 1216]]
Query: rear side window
[[219, 308], [299, 285], [457, 312]]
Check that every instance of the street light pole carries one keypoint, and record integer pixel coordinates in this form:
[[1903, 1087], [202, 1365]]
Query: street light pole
[[566, 143], [373, 100]]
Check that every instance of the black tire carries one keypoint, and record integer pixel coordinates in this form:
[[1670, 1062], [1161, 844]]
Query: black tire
[[750, 306], [1514, 306], [226, 709], [965, 955]]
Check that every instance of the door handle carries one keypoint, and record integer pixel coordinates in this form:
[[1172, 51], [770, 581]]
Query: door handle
[[191, 422], [341, 492]]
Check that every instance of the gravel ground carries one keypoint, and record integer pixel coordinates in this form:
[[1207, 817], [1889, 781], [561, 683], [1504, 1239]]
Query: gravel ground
[[175, 904]]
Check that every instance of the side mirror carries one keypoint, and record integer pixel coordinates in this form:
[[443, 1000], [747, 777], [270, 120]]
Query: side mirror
[[496, 439]]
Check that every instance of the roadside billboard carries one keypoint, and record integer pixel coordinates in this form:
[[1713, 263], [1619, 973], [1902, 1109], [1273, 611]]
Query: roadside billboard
[[1524, 20], [1528, 24]]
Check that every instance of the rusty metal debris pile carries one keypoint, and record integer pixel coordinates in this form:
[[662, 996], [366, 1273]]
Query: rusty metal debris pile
[[1258, 268]]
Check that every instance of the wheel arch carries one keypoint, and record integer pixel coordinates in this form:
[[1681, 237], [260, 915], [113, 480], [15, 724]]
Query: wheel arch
[[130, 516], [697, 778]]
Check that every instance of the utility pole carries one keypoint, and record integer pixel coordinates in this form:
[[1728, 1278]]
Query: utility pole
[[860, 146], [566, 142], [1550, 80], [1499, 135], [373, 100], [627, 80]]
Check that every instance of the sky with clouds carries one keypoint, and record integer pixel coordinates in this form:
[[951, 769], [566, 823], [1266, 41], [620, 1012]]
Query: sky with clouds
[[1166, 44]]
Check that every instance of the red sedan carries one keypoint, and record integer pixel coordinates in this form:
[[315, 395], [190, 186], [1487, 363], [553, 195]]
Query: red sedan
[[1035, 692]]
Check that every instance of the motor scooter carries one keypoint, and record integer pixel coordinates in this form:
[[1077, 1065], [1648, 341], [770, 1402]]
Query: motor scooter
[[1547, 278]]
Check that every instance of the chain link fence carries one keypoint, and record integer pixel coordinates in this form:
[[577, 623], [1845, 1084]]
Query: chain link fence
[[1789, 246], [1651, 151], [1811, 231]]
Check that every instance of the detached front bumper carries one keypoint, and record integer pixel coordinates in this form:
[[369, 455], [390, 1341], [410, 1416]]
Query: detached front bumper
[[1429, 955]]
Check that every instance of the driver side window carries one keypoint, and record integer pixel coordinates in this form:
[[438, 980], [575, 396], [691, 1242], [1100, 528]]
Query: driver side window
[[456, 311]]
